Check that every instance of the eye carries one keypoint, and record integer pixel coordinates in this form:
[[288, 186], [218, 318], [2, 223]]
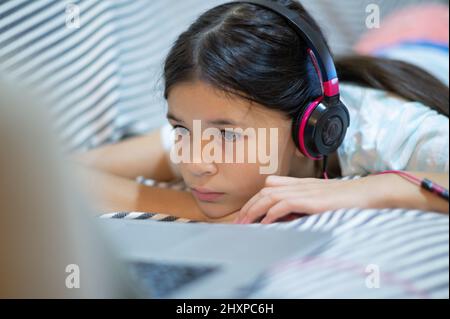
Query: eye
[[230, 136], [180, 130]]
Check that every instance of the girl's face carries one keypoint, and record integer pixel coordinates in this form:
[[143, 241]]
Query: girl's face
[[222, 188]]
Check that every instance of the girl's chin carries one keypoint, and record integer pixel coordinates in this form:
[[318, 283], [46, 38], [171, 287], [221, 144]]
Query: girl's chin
[[218, 211]]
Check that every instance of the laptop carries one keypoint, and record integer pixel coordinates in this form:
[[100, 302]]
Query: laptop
[[49, 235], [179, 260]]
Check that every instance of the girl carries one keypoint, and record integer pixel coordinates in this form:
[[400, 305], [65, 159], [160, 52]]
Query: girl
[[242, 66]]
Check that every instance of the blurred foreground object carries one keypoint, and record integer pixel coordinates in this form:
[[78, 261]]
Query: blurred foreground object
[[45, 234]]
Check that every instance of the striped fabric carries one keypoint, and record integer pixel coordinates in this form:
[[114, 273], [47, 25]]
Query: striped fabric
[[409, 248], [104, 79], [145, 216]]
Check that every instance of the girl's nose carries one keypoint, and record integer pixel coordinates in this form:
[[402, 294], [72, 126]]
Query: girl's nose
[[198, 167], [202, 169]]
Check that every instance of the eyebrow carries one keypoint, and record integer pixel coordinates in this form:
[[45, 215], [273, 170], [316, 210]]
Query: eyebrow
[[223, 122], [172, 117]]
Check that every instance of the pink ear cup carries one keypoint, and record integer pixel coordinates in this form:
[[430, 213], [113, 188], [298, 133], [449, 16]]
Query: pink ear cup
[[309, 109], [329, 88], [301, 132]]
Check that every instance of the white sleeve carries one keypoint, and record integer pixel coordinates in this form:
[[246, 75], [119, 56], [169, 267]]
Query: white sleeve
[[431, 152], [388, 133], [166, 137], [167, 141]]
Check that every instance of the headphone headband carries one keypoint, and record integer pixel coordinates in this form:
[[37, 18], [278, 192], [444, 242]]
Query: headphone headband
[[314, 41], [321, 126]]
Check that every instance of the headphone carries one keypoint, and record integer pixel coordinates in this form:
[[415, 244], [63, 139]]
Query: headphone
[[321, 126]]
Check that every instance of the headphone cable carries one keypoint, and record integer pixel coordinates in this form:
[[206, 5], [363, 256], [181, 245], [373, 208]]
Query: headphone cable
[[325, 167], [424, 183]]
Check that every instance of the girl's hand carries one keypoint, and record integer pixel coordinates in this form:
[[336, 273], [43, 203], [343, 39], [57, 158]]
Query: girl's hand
[[283, 196]]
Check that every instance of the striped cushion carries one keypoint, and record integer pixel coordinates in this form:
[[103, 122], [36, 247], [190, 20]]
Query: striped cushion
[[105, 78], [145, 216], [410, 249]]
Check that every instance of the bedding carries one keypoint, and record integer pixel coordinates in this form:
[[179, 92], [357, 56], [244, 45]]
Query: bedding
[[387, 253], [104, 77], [409, 250]]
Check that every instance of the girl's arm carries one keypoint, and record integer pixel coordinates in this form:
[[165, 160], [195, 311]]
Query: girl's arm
[[108, 175], [404, 194], [139, 156], [110, 193], [283, 196]]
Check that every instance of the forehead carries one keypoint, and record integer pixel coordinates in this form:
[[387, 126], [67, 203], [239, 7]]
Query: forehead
[[200, 101]]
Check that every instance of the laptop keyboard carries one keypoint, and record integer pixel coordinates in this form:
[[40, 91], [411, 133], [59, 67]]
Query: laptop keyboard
[[160, 280]]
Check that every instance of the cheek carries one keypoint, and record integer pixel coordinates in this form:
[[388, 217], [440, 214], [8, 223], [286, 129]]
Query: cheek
[[245, 180], [241, 182]]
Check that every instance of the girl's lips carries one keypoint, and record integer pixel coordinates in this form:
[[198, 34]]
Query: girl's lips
[[206, 196]]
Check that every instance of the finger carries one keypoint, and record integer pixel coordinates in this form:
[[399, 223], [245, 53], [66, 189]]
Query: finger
[[280, 191], [263, 192], [263, 205], [284, 208], [243, 212], [258, 209], [305, 186]]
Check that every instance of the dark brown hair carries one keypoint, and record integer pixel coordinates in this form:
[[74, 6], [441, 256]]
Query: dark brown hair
[[247, 50]]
